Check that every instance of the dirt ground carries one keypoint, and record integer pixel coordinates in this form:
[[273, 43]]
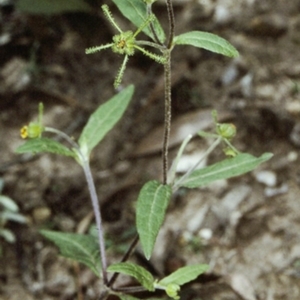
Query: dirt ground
[[247, 229]]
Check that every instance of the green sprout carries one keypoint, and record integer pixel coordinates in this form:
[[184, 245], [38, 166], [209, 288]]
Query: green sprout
[[125, 43]]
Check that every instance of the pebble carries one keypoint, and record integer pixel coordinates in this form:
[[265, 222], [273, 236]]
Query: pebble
[[271, 191], [293, 107], [205, 233], [41, 214], [267, 178]]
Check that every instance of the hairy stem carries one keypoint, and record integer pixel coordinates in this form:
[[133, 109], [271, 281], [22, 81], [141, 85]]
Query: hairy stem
[[171, 23], [168, 86], [167, 124]]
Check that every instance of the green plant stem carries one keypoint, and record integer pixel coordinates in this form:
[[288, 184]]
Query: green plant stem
[[167, 124], [171, 23], [130, 289], [66, 137], [168, 86], [151, 44], [173, 169], [93, 195], [149, 12], [213, 146], [125, 258], [96, 208]]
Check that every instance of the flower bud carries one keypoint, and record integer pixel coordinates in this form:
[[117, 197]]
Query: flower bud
[[172, 290], [226, 131]]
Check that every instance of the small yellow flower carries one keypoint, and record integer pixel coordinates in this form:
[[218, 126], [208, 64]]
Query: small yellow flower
[[24, 132], [32, 131]]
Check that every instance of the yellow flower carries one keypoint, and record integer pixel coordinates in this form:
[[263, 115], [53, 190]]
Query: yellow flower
[[32, 131], [24, 132]]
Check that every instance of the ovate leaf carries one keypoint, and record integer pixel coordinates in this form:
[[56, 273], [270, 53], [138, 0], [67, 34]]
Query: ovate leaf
[[79, 247], [208, 41], [103, 119], [50, 7], [44, 145], [184, 275], [150, 212], [231, 167], [139, 273], [136, 12]]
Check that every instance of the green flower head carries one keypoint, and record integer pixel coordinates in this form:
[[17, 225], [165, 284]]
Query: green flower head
[[125, 44]]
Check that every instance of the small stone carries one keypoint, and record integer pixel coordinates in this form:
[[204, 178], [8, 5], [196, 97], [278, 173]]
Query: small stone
[[267, 178], [271, 191], [293, 107], [206, 233], [41, 214]]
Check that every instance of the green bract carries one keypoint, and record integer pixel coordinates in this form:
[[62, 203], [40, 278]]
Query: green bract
[[34, 130], [226, 131], [125, 43], [172, 290]]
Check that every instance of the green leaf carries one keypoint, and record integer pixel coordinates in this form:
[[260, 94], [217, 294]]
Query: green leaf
[[184, 275], [50, 7], [12, 216], [139, 273], [136, 12], [7, 235], [44, 145], [79, 247], [8, 203], [150, 212], [208, 41], [103, 119], [231, 167]]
